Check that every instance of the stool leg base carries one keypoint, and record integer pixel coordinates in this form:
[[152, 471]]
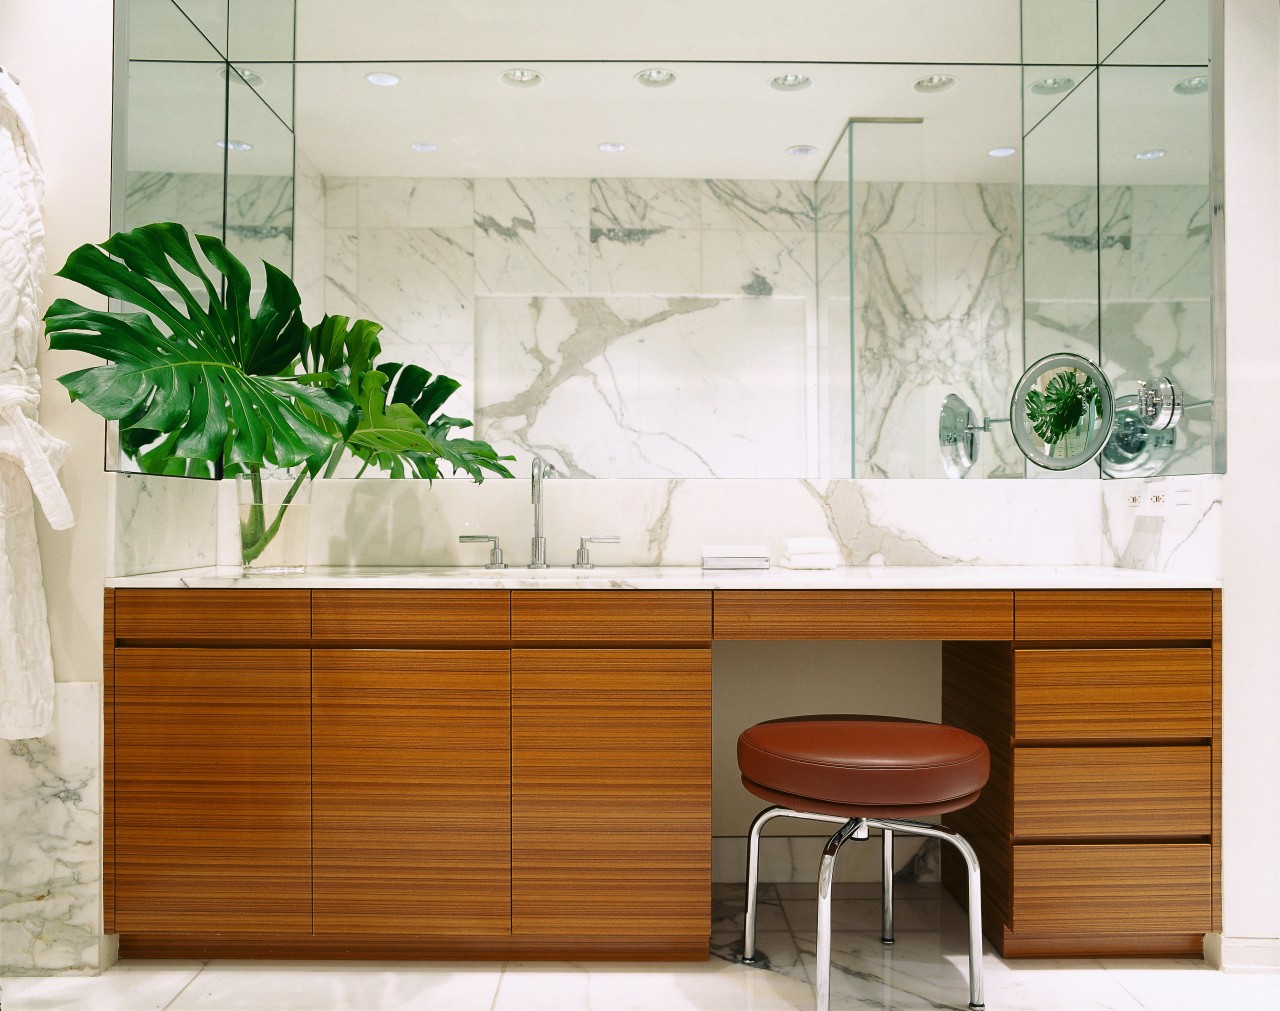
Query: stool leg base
[[855, 829], [886, 902]]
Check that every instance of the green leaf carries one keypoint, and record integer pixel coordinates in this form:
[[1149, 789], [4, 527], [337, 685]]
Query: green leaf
[[207, 374]]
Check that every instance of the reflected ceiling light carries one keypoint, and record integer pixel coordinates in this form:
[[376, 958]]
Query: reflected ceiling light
[[521, 77], [790, 82], [1191, 86], [612, 147], [382, 78], [1002, 152], [935, 83], [655, 77], [424, 146], [801, 150], [235, 145], [242, 74], [1150, 155], [1052, 85]]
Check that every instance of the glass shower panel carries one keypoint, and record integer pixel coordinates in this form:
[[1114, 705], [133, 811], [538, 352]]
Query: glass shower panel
[[833, 264]]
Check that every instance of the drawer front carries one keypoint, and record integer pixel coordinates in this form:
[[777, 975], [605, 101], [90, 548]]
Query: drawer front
[[1112, 694], [222, 617], [1113, 615], [611, 616], [410, 617], [1064, 793], [1123, 888], [864, 614]]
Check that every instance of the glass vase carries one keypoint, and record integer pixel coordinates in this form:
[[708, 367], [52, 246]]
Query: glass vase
[[275, 520]]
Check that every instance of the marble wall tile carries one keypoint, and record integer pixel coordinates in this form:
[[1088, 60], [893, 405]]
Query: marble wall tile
[[644, 386], [639, 261], [1183, 536], [341, 202], [418, 282], [758, 263], [145, 537], [894, 207], [50, 840], [531, 205], [309, 237], [342, 273], [758, 205], [150, 196], [632, 210], [386, 202], [548, 261]]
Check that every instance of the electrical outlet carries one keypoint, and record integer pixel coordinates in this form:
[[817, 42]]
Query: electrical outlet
[[1133, 499], [1157, 498]]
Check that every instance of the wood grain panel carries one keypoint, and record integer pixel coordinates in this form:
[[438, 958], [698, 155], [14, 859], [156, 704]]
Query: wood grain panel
[[410, 617], [611, 616], [1216, 771], [1100, 945], [611, 792], [213, 617], [864, 614], [1113, 615], [213, 798], [1117, 694], [1157, 888], [977, 696], [412, 799], [108, 761], [1119, 792]]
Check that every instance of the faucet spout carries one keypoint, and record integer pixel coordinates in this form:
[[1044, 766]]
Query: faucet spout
[[541, 471]]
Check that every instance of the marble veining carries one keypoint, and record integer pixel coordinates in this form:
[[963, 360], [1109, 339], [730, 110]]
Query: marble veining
[[50, 840], [145, 537]]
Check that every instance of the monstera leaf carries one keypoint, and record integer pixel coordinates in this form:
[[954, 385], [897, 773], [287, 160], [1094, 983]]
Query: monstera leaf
[[1058, 411], [196, 375], [397, 427]]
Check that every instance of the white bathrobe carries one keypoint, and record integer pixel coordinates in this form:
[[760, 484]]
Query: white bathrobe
[[29, 456]]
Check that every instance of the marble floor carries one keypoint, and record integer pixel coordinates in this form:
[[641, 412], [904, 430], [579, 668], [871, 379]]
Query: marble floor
[[925, 969]]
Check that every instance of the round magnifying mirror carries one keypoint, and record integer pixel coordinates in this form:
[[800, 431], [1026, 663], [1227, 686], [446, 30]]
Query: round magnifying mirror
[[1134, 450], [1061, 412]]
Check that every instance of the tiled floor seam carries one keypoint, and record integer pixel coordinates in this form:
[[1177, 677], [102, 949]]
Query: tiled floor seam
[[183, 989]]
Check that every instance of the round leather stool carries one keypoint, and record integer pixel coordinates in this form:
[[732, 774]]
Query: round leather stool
[[863, 772]]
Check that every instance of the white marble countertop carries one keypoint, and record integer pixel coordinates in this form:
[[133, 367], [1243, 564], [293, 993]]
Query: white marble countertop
[[884, 577]]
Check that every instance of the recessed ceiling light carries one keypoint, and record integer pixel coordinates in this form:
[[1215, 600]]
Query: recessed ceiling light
[[1052, 85], [612, 147], [1191, 86], [656, 77], [1002, 152], [521, 77], [424, 146], [801, 150], [382, 78], [790, 82], [241, 74], [934, 83], [235, 145], [1150, 155]]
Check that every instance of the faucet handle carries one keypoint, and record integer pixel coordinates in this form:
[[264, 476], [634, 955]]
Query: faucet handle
[[495, 556], [584, 559]]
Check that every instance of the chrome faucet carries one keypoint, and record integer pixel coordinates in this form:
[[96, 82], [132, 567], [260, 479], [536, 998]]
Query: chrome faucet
[[541, 471]]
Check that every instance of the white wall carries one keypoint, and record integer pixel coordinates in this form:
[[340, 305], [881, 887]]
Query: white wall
[[1251, 536], [62, 51]]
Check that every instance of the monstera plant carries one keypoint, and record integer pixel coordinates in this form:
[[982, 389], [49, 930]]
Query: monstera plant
[[203, 385]]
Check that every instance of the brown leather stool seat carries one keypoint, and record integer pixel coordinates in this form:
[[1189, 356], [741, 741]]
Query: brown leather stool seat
[[863, 772], [863, 766]]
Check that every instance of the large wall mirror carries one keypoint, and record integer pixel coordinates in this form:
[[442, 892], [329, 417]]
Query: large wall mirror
[[772, 252]]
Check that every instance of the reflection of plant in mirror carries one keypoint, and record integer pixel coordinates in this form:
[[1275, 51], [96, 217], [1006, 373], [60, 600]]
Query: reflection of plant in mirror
[[1057, 412]]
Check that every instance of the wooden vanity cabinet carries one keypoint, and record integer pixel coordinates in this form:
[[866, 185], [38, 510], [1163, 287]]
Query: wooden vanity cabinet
[[1097, 832], [611, 767]]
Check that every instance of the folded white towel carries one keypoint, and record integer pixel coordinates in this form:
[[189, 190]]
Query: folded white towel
[[811, 560], [810, 546]]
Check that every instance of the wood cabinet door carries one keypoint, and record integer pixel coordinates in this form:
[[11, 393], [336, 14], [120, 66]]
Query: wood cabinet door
[[611, 793], [212, 790], [412, 792]]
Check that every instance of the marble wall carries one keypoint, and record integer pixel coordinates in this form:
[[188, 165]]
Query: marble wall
[[50, 841]]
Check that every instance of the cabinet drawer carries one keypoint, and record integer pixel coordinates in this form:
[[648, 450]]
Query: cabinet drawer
[[410, 617], [1063, 793], [1114, 615], [221, 617], [864, 614], [611, 616], [1123, 888], [1112, 694]]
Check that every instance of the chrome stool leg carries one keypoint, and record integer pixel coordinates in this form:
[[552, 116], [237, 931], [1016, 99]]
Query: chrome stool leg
[[975, 894], [886, 911], [855, 829]]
